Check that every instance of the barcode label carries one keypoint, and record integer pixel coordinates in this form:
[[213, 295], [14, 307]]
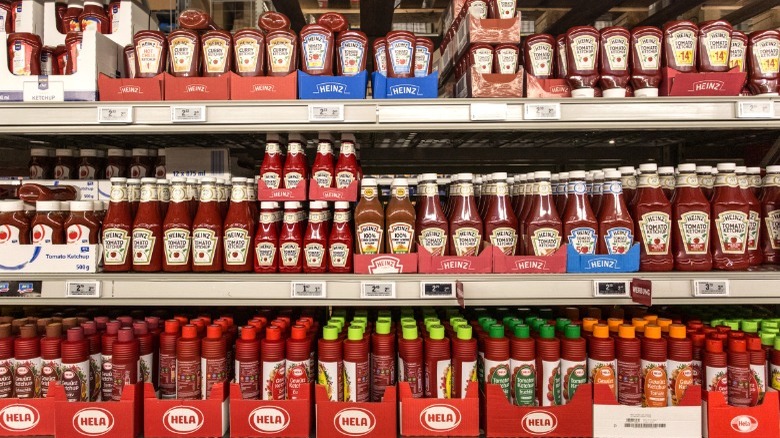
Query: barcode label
[[636, 425], [82, 289], [377, 290], [611, 289], [308, 289]]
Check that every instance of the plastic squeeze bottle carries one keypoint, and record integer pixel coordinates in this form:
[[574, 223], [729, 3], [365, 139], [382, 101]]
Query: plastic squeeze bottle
[[757, 370], [51, 357], [330, 369], [523, 367], [548, 364], [774, 365], [124, 362], [167, 368], [574, 362], [298, 347], [497, 365], [273, 365], [601, 357], [356, 366], [75, 366], [464, 360], [654, 372], [6, 361], [679, 363], [382, 359], [438, 363], [738, 373], [629, 366], [410, 359], [27, 357]]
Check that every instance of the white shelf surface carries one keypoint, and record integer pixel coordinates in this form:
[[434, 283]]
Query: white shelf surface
[[394, 115], [759, 287]]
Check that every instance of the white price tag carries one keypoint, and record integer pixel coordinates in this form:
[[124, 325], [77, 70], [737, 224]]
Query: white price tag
[[542, 111], [308, 289], [82, 289], [188, 114], [326, 113], [612, 288], [488, 111], [437, 289], [115, 114], [755, 109], [377, 290], [710, 288]]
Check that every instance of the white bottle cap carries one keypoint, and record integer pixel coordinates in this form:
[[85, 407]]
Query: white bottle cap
[[316, 205], [160, 152], [613, 93], [555, 177], [741, 169], [399, 182], [163, 182], [11, 205], [583, 93], [496, 176], [39, 152], [564, 175], [577, 175], [666, 170], [599, 174], [268, 205], [220, 181], [612, 174], [704, 169], [627, 170], [646, 92], [754, 171], [82, 206], [179, 180], [687, 167], [148, 180], [529, 176], [292, 205], [342, 205], [542, 174], [115, 152], [608, 168], [478, 179], [88, 153], [773, 169], [648, 167], [118, 180], [426, 177], [522, 178], [208, 180], [98, 206], [238, 180], [48, 205], [726, 167], [191, 181], [140, 152], [366, 182], [468, 177], [510, 180], [64, 152]]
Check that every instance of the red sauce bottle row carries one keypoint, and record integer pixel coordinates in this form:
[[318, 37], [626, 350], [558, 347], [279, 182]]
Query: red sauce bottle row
[[51, 222], [487, 58], [73, 16], [280, 171], [28, 56], [402, 55], [91, 164]]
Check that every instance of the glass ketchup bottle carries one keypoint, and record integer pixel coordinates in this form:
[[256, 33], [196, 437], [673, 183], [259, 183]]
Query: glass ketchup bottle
[[315, 240], [464, 221], [543, 225], [322, 171], [341, 241], [616, 228], [177, 230], [117, 227], [239, 229], [295, 165], [207, 230], [271, 168], [147, 230], [652, 213], [580, 227], [400, 219], [597, 194], [291, 238], [266, 258], [770, 211], [730, 219], [347, 167], [755, 255], [431, 227], [500, 220], [691, 229], [369, 220]]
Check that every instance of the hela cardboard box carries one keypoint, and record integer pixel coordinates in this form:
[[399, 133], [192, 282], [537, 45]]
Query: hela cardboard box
[[728, 83], [612, 420], [385, 264], [346, 419], [129, 17], [439, 417], [264, 87], [724, 421], [481, 264], [121, 419], [27, 417], [131, 90], [476, 84], [332, 87], [191, 418], [49, 259], [501, 419], [602, 263], [552, 264], [280, 418]]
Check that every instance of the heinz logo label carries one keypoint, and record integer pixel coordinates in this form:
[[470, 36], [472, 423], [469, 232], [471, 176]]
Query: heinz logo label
[[196, 88], [93, 421], [604, 263], [332, 87], [404, 89], [263, 88], [744, 423], [128, 89], [19, 418], [531, 265], [385, 265], [539, 423], [708, 85], [562, 89], [183, 420], [440, 418], [269, 419], [354, 421], [456, 264]]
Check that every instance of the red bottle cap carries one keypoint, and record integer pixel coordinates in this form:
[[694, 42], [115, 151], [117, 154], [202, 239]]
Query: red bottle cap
[[206, 319], [183, 320], [172, 326], [214, 332], [126, 321], [90, 328], [101, 322], [298, 332], [125, 350], [140, 328], [125, 335], [737, 345], [152, 322], [248, 333], [274, 333], [698, 339], [229, 320], [189, 332], [754, 344], [714, 346], [112, 327]]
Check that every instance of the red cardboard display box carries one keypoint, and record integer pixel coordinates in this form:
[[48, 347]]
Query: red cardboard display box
[[476, 84], [332, 194], [345, 419], [490, 31], [724, 421], [439, 417], [280, 418], [501, 419], [481, 264], [612, 420], [131, 90], [27, 417], [386, 263], [264, 87], [728, 83], [281, 195], [192, 418], [546, 88], [197, 88], [552, 264], [91, 419]]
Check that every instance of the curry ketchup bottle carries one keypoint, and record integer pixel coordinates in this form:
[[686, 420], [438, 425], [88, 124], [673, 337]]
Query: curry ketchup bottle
[[27, 368], [654, 372], [574, 362], [757, 370], [273, 364], [213, 359], [298, 349], [330, 367], [497, 369], [715, 368], [356, 366], [410, 360], [124, 362], [679, 363], [437, 363], [548, 366], [167, 358], [628, 348], [464, 360], [739, 374], [601, 357], [188, 368], [382, 359]]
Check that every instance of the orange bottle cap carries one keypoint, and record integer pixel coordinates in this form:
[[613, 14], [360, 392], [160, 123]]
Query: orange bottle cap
[[600, 331], [664, 323], [677, 331], [652, 331], [651, 318], [626, 331], [588, 323], [614, 323], [273, 333]]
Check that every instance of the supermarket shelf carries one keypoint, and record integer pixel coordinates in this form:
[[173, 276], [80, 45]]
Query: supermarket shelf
[[758, 287], [372, 116]]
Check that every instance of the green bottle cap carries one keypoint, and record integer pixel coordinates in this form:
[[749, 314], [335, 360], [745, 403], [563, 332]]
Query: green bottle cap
[[508, 318], [749, 326], [360, 324], [732, 323], [384, 319], [436, 332], [537, 323], [361, 318], [496, 331], [530, 319], [510, 325], [330, 332], [522, 331], [458, 324], [339, 318], [487, 323], [383, 327], [464, 332], [336, 322], [572, 331], [546, 331], [716, 322], [408, 320], [407, 312], [457, 319], [430, 323], [561, 323], [768, 324], [770, 330], [409, 331], [355, 333], [776, 346], [767, 338]]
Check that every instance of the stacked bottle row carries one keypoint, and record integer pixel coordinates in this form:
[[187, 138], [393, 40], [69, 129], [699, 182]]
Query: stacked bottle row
[[90, 164], [51, 222], [280, 171]]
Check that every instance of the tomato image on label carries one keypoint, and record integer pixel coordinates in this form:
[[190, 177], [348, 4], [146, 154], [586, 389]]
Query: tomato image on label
[[204, 245], [732, 227], [695, 231], [116, 245]]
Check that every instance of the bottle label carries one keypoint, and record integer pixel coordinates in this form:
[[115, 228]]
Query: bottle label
[[78, 234], [188, 379], [216, 51], [143, 246], [42, 233], [400, 54], [668, 182], [717, 44], [167, 375], [443, 379], [271, 180], [314, 46], [369, 236], [629, 385], [95, 365], [541, 56], [177, 246], [584, 48], [204, 246], [619, 240], [146, 363], [107, 376], [247, 54], [351, 53], [236, 246], [545, 241], [297, 379], [36, 171], [695, 232], [774, 376], [26, 377], [292, 179], [280, 51], [506, 8], [483, 60], [339, 255], [654, 384], [683, 44], [706, 181], [290, 253], [686, 180], [551, 383], [766, 53], [9, 234], [468, 374], [247, 374], [401, 236], [732, 227], [716, 379], [466, 241], [648, 48], [696, 366], [315, 254], [51, 371], [739, 386], [422, 59], [575, 373], [602, 373], [323, 178], [498, 373], [273, 375], [680, 378], [382, 375], [772, 221], [413, 374], [523, 382], [380, 59], [616, 48], [75, 381], [754, 227], [478, 9], [583, 239], [87, 172], [344, 179], [148, 52], [507, 61], [757, 384], [655, 229], [116, 245], [7, 376], [182, 51], [265, 253], [434, 240], [331, 376], [505, 239], [356, 381], [342, 217]]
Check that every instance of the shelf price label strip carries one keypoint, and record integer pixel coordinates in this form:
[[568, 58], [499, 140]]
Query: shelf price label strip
[[755, 109], [327, 113], [115, 114], [377, 290], [542, 111], [308, 289], [611, 288], [710, 288], [82, 289], [188, 114]]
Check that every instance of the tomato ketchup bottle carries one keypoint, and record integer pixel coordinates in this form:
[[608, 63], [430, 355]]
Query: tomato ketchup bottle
[[177, 230], [715, 368], [167, 357], [770, 212], [356, 366], [652, 213], [691, 228], [543, 227], [548, 366], [596, 192], [431, 227], [654, 371], [124, 362], [410, 360], [496, 362], [147, 230], [464, 360], [739, 374], [629, 372], [213, 360], [679, 363], [296, 168], [27, 362], [51, 357], [271, 168], [601, 357], [616, 228], [273, 366], [207, 230], [755, 255], [730, 221], [580, 227], [437, 363], [106, 356], [466, 227], [315, 239], [341, 240], [322, 172], [330, 369], [757, 370], [117, 229], [523, 367], [500, 220], [266, 258], [382, 359], [347, 167], [298, 349], [247, 365], [291, 239], [574, 362], [238, 230]]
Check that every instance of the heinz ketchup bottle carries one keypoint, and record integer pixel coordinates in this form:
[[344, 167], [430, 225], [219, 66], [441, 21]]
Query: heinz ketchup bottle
[[730, 222], [340, 240], [616, 228], [266, 256], [500, 220], [465, 224], [291, 239], [770, 212], [755, 255], [652, 213], [347, 166], [271, 168], [580, 227], [296, 168], [431, 227], [543, 225], [322, 172], [117, 229], [207, 230], [238, 230], [177, 230], [691, 216]]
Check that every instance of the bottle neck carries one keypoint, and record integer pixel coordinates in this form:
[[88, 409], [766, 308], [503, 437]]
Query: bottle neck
[[649, 181], [771, 180], [238, 194], [342, 216], [179, 193], [400, 193], [347, 148], [208, 193], [119, 193], [687, 180], [272, 149], [368, 193], [576, 189], [325, 149], [149, 193], [294, 148], [727, 180]]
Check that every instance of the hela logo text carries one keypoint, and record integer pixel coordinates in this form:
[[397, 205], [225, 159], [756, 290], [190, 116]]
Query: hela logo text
[[539, 423], [93, 421], [744, 423], [354, 421], [440, 418], [19, 418], [269, 419], [183, 420]]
